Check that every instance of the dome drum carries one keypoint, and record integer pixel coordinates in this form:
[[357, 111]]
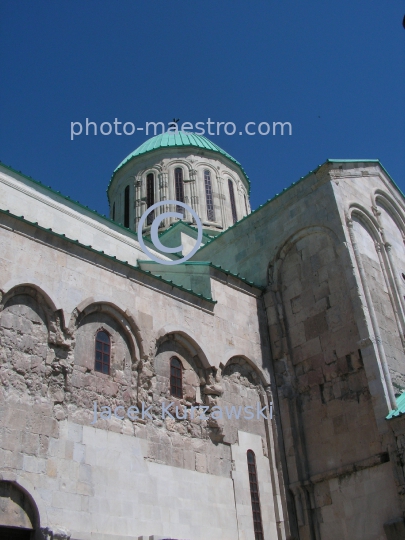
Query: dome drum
[[201, 175]]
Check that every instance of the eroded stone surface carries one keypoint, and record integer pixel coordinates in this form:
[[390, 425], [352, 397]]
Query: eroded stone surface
[[323, 341]]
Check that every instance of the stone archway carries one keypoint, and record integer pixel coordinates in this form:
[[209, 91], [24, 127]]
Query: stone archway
[[18, 516]]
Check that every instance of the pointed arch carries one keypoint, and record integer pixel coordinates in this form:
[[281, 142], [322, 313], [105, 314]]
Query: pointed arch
[[123, 317], [37, 504], [275, 265], [392, 207], [368, 220], [54, 317], [231, 357], [32, 288], [185, 338]]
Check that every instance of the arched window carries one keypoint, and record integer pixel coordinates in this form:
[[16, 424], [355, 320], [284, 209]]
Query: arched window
[[176, 377], [113, 212], [103, 352], [126, 207], [150, 196], [254, 495], [246, 208], [179, 187], [232, 197], [208, 196]]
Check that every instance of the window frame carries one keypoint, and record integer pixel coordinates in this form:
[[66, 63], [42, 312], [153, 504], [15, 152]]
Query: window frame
[[102, 351], [255, 496], [209, 197], [176, 379], [150, 196], [126, 207], [179, 189], [233, 200]]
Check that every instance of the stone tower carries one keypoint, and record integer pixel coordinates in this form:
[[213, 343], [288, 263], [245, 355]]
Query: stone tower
[[185, 167]]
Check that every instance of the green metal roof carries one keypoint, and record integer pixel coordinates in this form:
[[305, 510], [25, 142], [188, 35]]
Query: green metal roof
[[176, 140], [253, 212], [401, 407], [80, 206], [110, 257]]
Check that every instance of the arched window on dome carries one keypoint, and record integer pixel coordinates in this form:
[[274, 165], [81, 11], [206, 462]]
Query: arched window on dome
[[126, 207], [246, 206], [179, 188], [208, 196], [232, 198], [150, 196], [254, 495], [103, 352], [176, 377], [113, 212]]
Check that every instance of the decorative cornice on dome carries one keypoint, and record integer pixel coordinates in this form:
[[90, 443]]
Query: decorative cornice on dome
[[176, 140]]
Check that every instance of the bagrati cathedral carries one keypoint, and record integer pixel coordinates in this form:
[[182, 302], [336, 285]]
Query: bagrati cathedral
[[296, 309]]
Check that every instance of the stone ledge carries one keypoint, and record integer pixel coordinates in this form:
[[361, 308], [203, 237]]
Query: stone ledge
[[367, 463]]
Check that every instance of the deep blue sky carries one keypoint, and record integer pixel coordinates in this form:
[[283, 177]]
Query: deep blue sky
[[334, 69]]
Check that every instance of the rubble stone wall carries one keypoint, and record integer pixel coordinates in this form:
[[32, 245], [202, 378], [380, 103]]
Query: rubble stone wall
[[47, 342]]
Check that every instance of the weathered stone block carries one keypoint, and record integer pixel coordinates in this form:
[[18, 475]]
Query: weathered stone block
[[49, 427], [297, 334], [340, 424], [200, 463], [395, 529], [315, 378], [311, 348], [30, 443]]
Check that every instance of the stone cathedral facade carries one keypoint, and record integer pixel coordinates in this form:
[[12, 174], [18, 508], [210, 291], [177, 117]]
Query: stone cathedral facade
[[296, 309]]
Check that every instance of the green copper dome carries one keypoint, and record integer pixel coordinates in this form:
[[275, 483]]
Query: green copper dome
[[179, 139]]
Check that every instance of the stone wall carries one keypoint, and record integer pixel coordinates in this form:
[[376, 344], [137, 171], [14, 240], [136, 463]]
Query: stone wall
[[329, 253], [83, 476], [331, 250], [21, 195], [15, 507], [383, 303], [328, 422]]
